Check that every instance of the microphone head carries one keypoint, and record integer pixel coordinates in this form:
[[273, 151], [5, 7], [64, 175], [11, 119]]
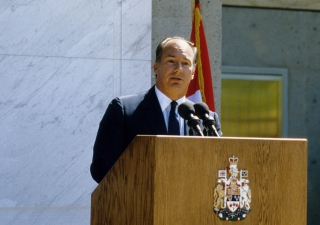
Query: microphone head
[[201, 109], [185, 109]]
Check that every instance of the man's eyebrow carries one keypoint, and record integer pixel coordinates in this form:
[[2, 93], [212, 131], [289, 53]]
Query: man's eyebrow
[[174, 56]]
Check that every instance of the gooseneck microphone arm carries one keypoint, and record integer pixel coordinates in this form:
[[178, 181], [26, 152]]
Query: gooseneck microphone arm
[[202, 111], [186, 111]]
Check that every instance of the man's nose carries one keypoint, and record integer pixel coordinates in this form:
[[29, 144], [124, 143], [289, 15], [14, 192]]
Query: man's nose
[[178, 67]]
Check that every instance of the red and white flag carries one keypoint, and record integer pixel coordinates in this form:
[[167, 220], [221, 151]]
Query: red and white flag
[[200, 88]]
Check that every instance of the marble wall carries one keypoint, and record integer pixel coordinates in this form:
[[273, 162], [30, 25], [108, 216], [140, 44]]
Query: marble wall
[[61, 62]]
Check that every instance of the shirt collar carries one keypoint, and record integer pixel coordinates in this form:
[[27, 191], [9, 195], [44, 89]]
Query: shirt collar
[[165, 101]]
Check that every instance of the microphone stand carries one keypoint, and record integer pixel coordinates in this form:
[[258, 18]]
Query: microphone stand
[[205, 133], [210, 123]]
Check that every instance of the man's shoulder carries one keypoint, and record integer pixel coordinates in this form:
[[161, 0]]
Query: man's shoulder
[[191, 102], [130, 97], [133, 100], [135, 97]]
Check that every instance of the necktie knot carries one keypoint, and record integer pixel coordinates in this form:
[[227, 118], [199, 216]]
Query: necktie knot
[[173, 125], [174, 105]]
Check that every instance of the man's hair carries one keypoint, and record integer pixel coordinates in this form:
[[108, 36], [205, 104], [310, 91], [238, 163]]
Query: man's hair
[[162, 44]]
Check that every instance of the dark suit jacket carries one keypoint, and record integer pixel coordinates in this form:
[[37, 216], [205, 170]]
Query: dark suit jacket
[[126, 117]]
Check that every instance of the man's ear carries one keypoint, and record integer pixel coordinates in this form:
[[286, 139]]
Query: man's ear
[[194, 70], [155, 68]]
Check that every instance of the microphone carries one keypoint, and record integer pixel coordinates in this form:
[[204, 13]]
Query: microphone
[[186, 111], [202, 111]]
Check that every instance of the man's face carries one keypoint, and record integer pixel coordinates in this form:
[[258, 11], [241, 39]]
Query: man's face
[[175, 70]]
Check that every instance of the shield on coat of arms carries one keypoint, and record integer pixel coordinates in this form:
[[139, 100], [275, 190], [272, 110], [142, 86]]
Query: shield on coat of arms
[[233, 205]]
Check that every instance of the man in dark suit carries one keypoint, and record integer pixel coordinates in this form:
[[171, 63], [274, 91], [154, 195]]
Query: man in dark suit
[[148, 112]]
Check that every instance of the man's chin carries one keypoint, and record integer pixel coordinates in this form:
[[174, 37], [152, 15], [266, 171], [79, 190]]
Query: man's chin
[[178, 89]]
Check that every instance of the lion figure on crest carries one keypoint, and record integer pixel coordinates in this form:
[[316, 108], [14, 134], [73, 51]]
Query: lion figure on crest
[[219, 197]]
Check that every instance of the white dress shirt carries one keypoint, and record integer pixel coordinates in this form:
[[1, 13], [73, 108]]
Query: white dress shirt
[[165, 104]]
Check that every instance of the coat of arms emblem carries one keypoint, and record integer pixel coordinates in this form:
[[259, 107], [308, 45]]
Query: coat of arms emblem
[[232, 195]]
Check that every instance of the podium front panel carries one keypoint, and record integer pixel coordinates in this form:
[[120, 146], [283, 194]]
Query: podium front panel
[[171, 180]]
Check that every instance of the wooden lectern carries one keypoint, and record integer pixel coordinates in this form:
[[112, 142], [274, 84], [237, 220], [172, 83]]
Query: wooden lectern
[[171, 180]]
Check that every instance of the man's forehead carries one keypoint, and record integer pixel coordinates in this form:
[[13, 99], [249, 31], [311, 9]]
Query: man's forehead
[[176, 43], [175, 47]]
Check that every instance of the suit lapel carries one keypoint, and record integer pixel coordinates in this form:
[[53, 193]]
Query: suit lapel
[[153, 113]]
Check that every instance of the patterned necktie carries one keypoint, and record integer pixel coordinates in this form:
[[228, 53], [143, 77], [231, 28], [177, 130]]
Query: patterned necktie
[[173, 125]]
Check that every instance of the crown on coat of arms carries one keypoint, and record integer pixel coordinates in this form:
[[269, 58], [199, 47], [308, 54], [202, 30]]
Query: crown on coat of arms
[[233, 161]]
